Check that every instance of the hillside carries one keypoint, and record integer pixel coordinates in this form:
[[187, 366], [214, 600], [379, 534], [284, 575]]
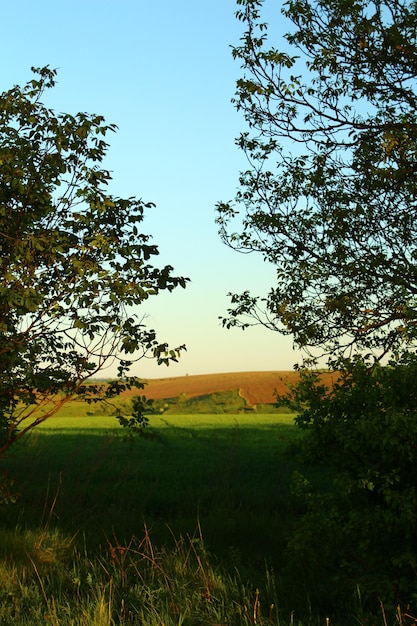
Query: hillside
[[254, 387]]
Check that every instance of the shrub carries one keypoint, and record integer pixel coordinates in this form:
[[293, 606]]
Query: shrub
[[363, 530]]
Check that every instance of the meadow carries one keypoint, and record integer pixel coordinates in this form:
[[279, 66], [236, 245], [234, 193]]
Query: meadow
[[188, 469], [188, 525]]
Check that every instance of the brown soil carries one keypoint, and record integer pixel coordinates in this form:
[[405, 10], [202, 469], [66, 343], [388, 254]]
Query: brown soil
[[254, 387]]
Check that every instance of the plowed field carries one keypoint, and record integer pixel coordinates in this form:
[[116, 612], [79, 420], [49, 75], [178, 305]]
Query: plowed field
[[254, 387]]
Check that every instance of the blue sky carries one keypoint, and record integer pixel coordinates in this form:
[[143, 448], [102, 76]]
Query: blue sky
[[163, 72]]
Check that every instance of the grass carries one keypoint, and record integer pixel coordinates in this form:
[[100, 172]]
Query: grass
[[181, 528], [220, 471], [228, 402], [136, 583], [221, 402]]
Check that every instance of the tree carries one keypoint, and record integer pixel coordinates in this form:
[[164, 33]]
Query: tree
[[330, 197], [74, 264]]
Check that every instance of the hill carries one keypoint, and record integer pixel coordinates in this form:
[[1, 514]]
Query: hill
[[254, 387]]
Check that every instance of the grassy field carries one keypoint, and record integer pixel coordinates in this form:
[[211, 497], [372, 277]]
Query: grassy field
[[227, 473], [206, 484], [187, 526]]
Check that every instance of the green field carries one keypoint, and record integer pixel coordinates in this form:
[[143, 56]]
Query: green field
[[181, 527], [226, 472], [224, 477]]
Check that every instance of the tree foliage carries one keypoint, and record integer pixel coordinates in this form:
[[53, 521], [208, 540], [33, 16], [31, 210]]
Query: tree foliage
[[74, 263], [330, 197]]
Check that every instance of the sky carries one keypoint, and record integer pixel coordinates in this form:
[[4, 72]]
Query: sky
[[163, 72]]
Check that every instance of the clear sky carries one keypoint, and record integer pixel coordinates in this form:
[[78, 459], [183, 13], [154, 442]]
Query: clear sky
[[162, 70]]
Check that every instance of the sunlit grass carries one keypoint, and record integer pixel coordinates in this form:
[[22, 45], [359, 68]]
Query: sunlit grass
[[137, 582], [65, 421]]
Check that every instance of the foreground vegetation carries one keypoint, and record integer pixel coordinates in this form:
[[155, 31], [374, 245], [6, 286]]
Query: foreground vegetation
[[136, 583], [187, 526]]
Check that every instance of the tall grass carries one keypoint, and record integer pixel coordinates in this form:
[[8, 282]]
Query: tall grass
[[134, 583]]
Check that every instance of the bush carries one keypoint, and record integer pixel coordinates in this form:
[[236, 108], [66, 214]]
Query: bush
[[363, 529]]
